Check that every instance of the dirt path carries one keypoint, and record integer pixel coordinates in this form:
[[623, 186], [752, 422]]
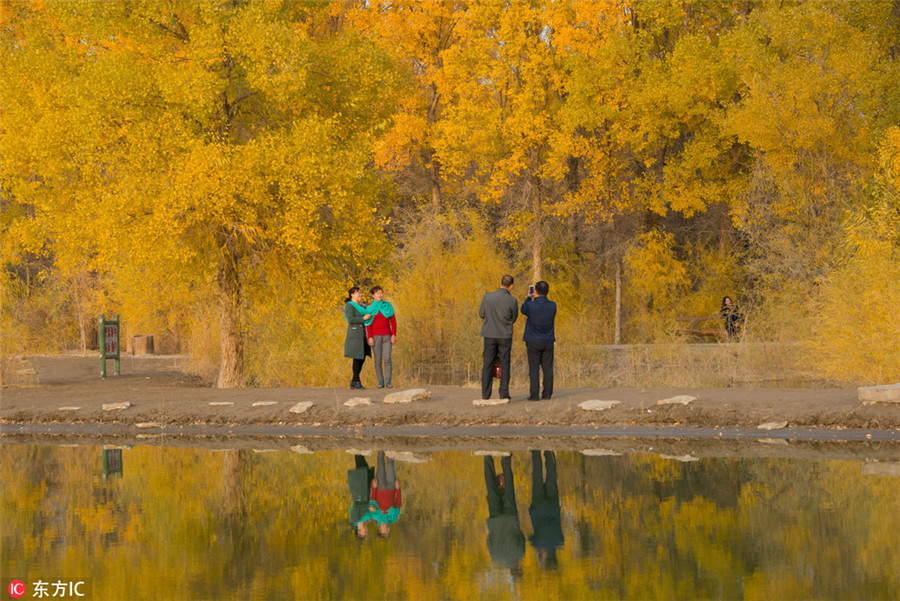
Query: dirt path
[[161, 393]]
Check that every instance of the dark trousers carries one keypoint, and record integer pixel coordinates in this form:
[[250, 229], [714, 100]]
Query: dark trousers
[[540, 357], [357, 369], [494, 347], [544, 490], [500, 501]]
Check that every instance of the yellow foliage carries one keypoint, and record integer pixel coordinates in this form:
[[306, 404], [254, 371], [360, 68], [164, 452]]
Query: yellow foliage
[[446, 265], [856, 327], [655, 276]]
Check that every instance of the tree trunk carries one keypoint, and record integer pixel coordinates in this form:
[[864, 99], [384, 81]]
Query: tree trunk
[[618, 334], [537, 231], [435, 188], [432, 162], [231, 368], [537, 261]]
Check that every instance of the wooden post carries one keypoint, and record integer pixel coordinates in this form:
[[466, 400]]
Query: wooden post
[[142, 345]]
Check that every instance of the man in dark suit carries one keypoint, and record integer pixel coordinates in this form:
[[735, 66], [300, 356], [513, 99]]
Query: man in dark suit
[[499, 311], [540, 338]]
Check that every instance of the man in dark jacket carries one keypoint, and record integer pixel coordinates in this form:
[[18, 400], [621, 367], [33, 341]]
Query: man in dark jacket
[[540, 338], [499, 311]]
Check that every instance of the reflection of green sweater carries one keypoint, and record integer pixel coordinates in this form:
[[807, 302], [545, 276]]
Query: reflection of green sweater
[[358, 480], [373, 512]]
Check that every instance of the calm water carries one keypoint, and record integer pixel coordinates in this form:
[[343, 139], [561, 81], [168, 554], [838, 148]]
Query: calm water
[[172, 523]]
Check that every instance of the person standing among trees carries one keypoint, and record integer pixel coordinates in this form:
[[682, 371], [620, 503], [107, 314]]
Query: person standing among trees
[[356, 346], [734, 319], [382, 334], [540, 338], [499, 311]]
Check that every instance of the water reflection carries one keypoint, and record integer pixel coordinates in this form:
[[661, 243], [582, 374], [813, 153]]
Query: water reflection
[[234, 524], [379, 504], [504, 539], [545, 509]]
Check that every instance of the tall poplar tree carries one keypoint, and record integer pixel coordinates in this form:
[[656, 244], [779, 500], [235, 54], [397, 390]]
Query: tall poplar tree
[[215, 136]]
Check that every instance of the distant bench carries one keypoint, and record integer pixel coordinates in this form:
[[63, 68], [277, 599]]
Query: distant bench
[[702, 328]]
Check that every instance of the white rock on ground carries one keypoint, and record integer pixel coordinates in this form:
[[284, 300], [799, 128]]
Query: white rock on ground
[[487, 402], [264, 403], [772, 426], [598, 405], [221, 403], [301, 407], [683, 399], [114, 406], [889, 393], [360, 400], [408, 396]]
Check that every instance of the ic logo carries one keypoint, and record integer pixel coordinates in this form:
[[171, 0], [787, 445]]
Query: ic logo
[[16, 588]]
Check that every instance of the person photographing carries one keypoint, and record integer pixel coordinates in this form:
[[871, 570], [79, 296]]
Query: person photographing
[[540, 339]]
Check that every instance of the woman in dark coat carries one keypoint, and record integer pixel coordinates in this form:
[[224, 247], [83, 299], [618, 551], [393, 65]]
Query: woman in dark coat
[[734, 321], [356, 346]]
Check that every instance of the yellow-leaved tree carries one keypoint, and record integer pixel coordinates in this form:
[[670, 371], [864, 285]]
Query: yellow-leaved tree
[[417, 33], [447, 263], [856, 325], [817, 85], [503, 86], [200, 144]]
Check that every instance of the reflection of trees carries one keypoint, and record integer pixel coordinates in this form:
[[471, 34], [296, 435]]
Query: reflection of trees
[[234, 533], [274, 525]]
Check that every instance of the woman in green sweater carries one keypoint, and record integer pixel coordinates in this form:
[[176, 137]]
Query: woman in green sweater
[[356, 346]]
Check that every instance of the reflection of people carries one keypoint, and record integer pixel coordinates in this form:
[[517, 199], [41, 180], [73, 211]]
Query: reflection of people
[[539, 339], [505, 541], [545, 510], [382, 334], [358, 480], [734, 320], [385, 495], [498, 311], [355, 345]]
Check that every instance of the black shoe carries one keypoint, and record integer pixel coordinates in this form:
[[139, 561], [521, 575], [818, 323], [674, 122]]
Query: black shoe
[[533, 399]]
